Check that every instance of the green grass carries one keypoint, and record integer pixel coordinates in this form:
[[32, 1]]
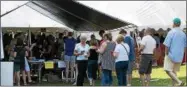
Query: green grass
[[158, 75]]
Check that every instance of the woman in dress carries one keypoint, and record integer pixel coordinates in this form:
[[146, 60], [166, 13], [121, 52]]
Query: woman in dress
[[107, 60]]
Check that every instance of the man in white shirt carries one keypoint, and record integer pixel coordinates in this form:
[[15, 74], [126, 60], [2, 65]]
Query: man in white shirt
[[148, 44]]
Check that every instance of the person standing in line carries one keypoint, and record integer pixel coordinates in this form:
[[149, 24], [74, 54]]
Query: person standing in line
[[107, 60], [130, 41], [148, 45], [92, 60], [101, 33], [82, 53], [175, 44], [76, 68], [70, 43], [157, 51], [121, 54]]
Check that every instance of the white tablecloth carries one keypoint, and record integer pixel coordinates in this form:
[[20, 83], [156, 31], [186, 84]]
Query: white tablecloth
[[7, 73]]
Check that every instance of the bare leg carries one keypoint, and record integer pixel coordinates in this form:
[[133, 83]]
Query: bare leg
[[72, 70], [173, 77], [87, 74], [29, 76], [99, 72], [24, 77], [173, 81], [76, 72], [148, 78], [18, 78], [129, 78], [67, 70], [14, 78], [142, 77], [93, 82]]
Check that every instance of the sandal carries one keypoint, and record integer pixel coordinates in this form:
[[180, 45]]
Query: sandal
[[30, 82], [182, 84], [18, 84], [25, 84]]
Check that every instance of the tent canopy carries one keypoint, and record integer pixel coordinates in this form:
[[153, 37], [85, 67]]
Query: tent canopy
[[71, 14], [156, 14], [91, 15], [76, 16]]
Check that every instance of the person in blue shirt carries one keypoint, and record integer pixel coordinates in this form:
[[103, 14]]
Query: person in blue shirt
[[175, 44], [69, 58], [130, 41]]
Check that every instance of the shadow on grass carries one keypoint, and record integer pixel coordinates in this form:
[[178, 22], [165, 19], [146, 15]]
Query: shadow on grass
[[135, 82]]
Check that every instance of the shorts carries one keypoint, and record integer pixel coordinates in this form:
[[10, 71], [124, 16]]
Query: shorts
[[69, 58], [27, 68], [19, 67], [146, 64], [130, 67], [171, 66]]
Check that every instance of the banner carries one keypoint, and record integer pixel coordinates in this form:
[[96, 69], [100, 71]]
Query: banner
[[49, 65]]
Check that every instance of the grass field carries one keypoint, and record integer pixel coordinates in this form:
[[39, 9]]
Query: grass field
[[159, 78]]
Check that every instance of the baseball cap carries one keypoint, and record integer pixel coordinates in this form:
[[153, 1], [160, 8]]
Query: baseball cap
[[177, 21]]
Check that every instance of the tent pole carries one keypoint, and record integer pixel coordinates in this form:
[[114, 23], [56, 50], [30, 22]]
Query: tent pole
[[30, 40]]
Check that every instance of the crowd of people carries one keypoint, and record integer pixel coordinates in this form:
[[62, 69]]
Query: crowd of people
[[101, 57]]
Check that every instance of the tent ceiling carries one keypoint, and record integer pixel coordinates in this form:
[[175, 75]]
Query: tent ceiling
[[34, 29], [156, 14], [76, 16]]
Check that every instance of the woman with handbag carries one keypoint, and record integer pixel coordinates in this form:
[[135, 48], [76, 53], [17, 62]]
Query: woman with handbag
[[121, 53]]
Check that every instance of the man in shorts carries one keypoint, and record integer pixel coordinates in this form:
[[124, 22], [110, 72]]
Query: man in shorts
[[147, 47], [175, 44], [69, 58]]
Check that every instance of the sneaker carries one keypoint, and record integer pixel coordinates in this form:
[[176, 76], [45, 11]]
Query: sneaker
[[128, 84], [90, 80], [74, 84]]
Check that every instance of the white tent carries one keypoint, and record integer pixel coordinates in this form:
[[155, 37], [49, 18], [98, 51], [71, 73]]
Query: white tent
[[24, 16], [156, 14]]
